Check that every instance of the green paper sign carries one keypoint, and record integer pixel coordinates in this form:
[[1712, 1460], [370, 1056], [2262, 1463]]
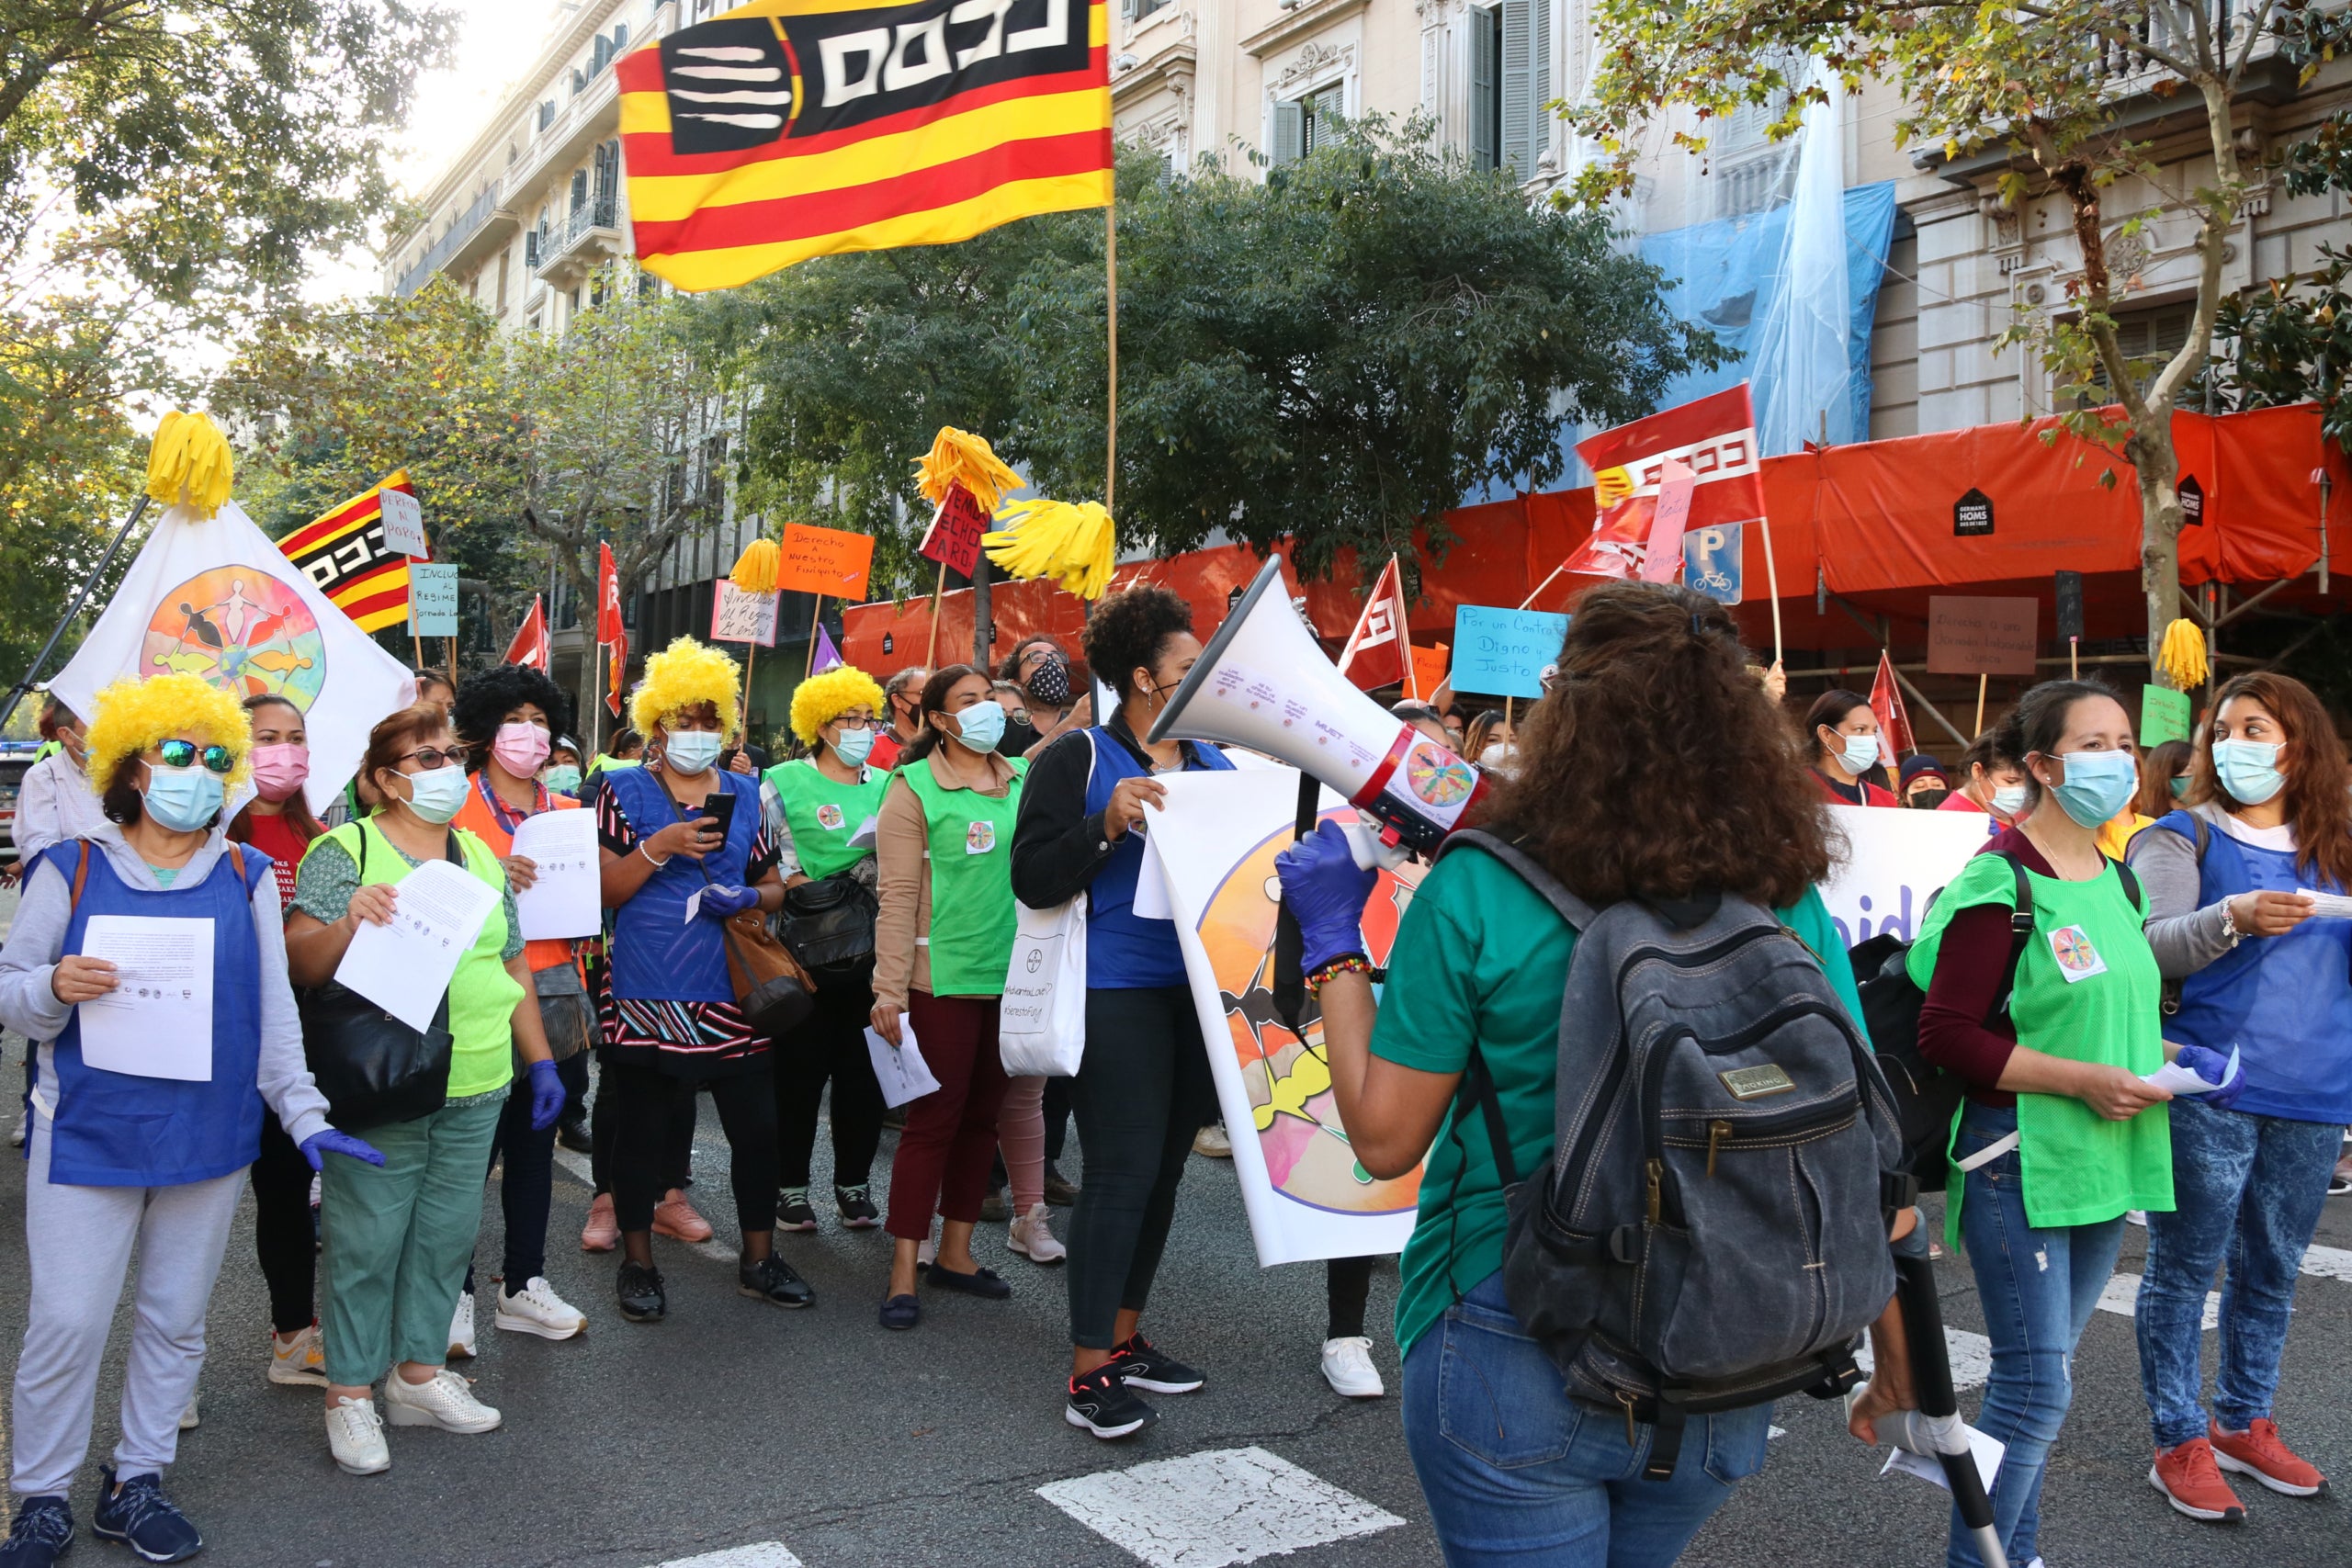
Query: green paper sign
[[2164, 715]]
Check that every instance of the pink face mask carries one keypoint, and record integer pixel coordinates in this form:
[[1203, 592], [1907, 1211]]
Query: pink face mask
[[280, 771], [521, 749]]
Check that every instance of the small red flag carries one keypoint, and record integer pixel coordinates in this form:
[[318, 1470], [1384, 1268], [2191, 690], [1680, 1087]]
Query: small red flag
[[617, 675], [1895, 741], [608, 597], [1377, 654], [530, 644]]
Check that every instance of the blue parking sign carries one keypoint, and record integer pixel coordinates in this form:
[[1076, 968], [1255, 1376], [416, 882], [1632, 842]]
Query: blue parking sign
[[1711, 562]]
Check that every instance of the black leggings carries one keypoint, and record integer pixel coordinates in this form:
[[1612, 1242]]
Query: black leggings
[[1142, 1091], [645, 1111], [527, 1190], [601, 1119], [829, 1045], [1347, 1285], [282, 1235]]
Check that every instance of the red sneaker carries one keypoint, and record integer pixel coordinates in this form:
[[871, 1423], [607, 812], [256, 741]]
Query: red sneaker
[[2257, 1452], [2186, 1476]]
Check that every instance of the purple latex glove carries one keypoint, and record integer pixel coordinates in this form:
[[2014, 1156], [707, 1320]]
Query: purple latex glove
[[1327, 892], [318, 1145], [2210, 1065], [547, 1096], [720, 902]]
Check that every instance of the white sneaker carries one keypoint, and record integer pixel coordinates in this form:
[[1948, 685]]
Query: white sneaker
[[355, 1436], [189, 1417], [536, 1309], [461, 1328], [443, 1400], [1032, 1236], [1213, 1141], [1347, 1367], [16, 1135], [301, 1359]]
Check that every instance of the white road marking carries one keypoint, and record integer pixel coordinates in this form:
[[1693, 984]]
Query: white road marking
[[1214, 1508], [1971, 1355], [577, 1163], [2327, 1263], [2122, 1294], [761, 1554]]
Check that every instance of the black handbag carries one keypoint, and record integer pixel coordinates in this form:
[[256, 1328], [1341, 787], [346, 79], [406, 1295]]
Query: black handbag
[[828, 924], [373, 1068]]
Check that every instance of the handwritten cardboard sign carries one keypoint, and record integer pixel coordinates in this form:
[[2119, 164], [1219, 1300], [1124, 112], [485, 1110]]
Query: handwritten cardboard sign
[[953, 538], [1504, 652], [738, 616], [831, 561], [403, 522], [432, 598], [1981, 636]]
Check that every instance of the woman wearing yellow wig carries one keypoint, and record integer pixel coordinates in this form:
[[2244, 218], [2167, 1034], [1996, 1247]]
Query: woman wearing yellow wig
[[684, 851], [149, 1151], [819, 811]]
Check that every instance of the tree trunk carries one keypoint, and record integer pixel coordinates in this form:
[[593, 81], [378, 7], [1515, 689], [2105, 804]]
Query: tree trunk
[[2153, 459], [982, 615]]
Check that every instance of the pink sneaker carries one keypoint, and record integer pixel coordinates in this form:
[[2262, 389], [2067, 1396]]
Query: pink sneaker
[[602, 1233], [673, 1217]]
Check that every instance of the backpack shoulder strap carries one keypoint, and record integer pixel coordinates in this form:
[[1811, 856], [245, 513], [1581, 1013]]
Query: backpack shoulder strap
[[2021, 931], [2200, 833], [1569, 907], [81, 876], [2131, 881]]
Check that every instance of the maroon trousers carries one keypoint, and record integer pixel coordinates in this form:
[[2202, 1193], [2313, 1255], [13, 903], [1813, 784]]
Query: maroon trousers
[[950, 1138]]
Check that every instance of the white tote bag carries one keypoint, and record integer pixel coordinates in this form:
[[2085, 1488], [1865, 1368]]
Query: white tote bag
[[1041, 1023]]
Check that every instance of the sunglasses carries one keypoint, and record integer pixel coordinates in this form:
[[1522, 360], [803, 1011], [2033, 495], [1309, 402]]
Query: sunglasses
[[431, 757], [185, 753]]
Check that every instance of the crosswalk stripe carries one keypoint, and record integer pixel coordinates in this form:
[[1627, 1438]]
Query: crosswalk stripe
[[1214, 1508], [2122, 1296], [2327, 1262], [1971, 1355], [760, 1554]]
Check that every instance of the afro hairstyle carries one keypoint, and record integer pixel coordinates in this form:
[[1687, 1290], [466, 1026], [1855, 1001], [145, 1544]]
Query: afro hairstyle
[[683, 675], [487, 696], [134, 715], [821, 699], [1129, 630]]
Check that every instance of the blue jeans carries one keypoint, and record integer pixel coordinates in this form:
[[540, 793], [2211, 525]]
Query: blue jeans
[[2038, 1290], [2249, 1189], [1517, 1473]]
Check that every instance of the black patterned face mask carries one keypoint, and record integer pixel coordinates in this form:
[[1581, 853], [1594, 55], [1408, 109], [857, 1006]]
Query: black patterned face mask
[[1048, 685]]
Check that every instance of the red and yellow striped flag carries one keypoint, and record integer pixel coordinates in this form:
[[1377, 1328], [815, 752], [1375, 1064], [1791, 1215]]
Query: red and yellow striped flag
[[790, 129], [344, 553]]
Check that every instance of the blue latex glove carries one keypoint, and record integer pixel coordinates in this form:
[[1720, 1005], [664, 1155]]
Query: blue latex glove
[[318, 1145], [1327, 892], [720, 902], [547, 1096], [2210, 1065]]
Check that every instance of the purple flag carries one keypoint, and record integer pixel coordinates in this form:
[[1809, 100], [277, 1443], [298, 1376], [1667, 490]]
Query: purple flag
[[828, 656]]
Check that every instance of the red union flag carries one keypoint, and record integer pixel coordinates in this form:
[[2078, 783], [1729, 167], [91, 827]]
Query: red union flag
[[1895, 741], [530, 644], [1715, 438], [1376, 653]]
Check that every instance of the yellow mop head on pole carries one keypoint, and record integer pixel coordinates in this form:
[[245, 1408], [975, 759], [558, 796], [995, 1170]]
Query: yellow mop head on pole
[[755, 568], [188, 464], [959, 458], [2182, 659], [1055, 539]]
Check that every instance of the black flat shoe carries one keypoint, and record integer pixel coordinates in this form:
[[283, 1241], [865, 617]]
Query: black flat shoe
[[900, 1312], [772, 1280], [983, 1282], [573, 1135], [642, 1296]]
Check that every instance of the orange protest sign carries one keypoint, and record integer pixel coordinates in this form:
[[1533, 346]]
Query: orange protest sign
[[1430, 665], [828, 561]]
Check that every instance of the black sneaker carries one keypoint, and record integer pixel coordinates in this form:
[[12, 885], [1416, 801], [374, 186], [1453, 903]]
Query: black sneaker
[[772, 1280], [44, 1529], [1142, 1364], [137, 1514], [1102, 1404], [792, 1209], [641, 1297], [856, 1206], [1061, 1190], [996, 1209], [573, 1133]]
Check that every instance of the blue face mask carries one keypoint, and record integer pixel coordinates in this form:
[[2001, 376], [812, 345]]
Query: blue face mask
[[2180, 787], [182, 799], [2248, 769], [563, 778], [437, 793], [982, 726], [2098, 784], [1860, 754], [855, 747], [692, 751]]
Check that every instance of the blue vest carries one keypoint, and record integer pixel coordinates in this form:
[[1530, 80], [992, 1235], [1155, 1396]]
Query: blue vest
[[2285, 1001], [658, 954], [1125, 952], [120, 1130]]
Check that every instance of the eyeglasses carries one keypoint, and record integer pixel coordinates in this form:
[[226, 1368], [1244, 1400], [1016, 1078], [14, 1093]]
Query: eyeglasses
[[851, 721], [433, 757], [186, 753]]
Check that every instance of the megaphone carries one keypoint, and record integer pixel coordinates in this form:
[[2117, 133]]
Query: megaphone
[[1264, 684]]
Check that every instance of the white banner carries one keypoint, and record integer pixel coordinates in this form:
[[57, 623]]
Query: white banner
[[217, 599], [1215, 844], [1892, 863]]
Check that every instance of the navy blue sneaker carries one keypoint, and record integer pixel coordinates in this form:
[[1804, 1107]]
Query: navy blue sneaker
[[138, 1514], [44, 1529]]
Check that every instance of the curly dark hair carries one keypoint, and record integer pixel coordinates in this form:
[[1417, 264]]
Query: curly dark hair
[[1129, 630], [487, 696], [1657, 767]]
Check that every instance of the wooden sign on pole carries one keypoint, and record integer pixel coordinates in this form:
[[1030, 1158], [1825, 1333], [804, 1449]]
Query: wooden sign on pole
[[1981, 636]]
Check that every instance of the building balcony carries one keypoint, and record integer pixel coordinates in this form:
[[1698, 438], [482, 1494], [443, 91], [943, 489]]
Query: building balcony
[[479, 231], [592, 116], [589, 236]]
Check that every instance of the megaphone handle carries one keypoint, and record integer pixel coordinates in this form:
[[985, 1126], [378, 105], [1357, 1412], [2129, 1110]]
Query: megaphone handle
[[1290, 944]]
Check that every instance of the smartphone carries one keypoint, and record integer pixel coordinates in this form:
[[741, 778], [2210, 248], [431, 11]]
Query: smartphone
[[719, 808]]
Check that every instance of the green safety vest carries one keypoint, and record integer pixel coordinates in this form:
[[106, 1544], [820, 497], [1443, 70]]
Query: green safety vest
[[482, 995], [824, 816], [970, 839], [2088, 991]]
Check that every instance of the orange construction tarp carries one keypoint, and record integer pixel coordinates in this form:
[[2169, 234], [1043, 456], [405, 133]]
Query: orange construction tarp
[[1871, 523]]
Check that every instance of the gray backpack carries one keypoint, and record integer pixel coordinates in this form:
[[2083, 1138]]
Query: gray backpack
[[1712, 1231]]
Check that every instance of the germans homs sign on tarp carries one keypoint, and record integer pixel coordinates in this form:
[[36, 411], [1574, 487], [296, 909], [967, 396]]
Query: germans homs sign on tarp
[[1505, 653]]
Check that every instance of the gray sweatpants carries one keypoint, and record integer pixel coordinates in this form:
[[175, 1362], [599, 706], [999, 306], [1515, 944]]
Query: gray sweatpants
[[80, 1239]]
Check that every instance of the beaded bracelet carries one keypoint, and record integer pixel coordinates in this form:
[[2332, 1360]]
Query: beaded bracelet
[[1347, 964]]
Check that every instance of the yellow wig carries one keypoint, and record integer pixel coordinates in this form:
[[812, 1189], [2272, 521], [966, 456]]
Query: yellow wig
[[821, 699], [135, 715], [683, 675]]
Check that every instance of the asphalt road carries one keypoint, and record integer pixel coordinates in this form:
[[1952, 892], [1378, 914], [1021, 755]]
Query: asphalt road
[[734, 1425]]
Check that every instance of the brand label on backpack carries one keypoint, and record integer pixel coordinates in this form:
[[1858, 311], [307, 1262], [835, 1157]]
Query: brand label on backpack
[[1757, 1083], [2077, 959]]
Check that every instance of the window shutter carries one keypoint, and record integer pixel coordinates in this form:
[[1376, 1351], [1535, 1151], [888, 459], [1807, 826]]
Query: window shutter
[[1517, 54], [1485, 47], [1539, 85], [1289, 132]]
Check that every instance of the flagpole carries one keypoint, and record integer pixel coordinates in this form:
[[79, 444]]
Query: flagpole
[[938, 588], [1111, 275], [1772, 586], [1412, 676]]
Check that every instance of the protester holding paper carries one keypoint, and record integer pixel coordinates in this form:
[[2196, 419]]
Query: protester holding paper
[[149, 1106], [55, 800], [506, 716], [2052, 1030], [2267, 821], [397, 1240]]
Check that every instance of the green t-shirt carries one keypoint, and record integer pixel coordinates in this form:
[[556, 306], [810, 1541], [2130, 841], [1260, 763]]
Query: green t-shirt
[[1480, 955]]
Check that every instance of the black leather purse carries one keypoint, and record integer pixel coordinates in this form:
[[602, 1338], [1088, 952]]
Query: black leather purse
[[373, 1068], [829, 925]]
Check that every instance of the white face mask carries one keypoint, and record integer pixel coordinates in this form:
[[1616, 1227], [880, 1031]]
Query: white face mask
[[692, 751]]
